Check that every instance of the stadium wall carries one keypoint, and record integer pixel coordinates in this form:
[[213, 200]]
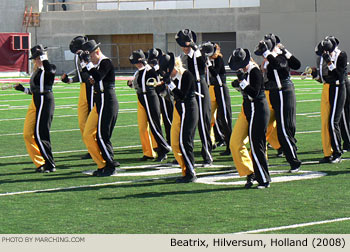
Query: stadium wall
[[57, 28], [302, 24]]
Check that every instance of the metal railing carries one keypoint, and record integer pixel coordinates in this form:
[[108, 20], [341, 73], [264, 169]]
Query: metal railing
[[146, 4]]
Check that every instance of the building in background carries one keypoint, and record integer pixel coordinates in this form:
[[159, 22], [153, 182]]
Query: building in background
[[125, 25]]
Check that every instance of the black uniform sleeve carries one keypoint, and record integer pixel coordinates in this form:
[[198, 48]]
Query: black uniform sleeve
[[341, 65], [187, 84], [256, 82], [201, 60], [100, 74], [49, 68], [294, 63], [151, 74], [220, 65]]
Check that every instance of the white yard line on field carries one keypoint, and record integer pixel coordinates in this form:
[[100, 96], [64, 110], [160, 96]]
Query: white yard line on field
[[18, 119], [67, 130], [294, 226], [72, 151]]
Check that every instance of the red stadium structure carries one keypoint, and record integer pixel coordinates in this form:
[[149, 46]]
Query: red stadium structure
[[14, 52]]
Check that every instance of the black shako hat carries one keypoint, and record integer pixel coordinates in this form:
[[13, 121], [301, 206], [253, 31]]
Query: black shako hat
[[325, 45], [76, 43], [240, 58], [153, 55], [90, 46], [184, 36], [208, 48], [318, 49], [258, 51], [328, 45], [273, 38], [137, 56], [166, 64], [37, 50], [333, 39]]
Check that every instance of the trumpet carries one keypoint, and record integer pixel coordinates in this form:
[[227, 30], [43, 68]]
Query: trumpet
[[8, 86], [307, 73], [154, 82]]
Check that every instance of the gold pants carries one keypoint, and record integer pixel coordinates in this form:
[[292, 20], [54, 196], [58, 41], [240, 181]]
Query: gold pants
[[83, 108], [175, 143], [28, 135], [147, 139], [89, 137], [325, 114], [239, 139], [214, 107]]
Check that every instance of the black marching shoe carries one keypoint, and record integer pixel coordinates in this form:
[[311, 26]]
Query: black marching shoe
[[86, 156], [336, 160], [49, 169], [295, 168], [145, 158], [161, 158], [326, 160], [227, 152], [280, 152], [263, 185], [250, 180], [98, 172], [108, 171], [220, 143], [40, 169], [187, 178]]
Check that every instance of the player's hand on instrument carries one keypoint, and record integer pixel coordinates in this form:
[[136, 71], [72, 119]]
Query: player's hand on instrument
[[129, 83], [192, 45], [240, 75], [85, 56], [235, 85], [19, 87], [65, 78], [326, 57]]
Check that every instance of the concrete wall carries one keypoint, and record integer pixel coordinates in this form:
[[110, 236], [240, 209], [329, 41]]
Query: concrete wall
[[57, 28], [11, 15], [302, 24]]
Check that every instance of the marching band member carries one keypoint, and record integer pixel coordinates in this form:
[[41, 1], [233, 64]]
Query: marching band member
[[221, 100], [39, 117], [185, 118], [282, 95], [271, 133], [331, 69], [166, 100], [256, 113], [148, 112], [85, 103], [345, 117], [195, 62], [102, 118]]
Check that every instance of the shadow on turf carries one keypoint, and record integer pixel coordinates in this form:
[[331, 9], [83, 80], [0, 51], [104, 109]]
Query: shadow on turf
[[78, 156], [172, 193], [45, 178], [15, 163]]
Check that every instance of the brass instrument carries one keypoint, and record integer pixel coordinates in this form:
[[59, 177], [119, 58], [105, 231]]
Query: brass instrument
[[307, 73], [153, 82], [8, 86]]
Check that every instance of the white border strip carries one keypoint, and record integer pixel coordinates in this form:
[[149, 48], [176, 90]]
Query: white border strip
[[294, 226]]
